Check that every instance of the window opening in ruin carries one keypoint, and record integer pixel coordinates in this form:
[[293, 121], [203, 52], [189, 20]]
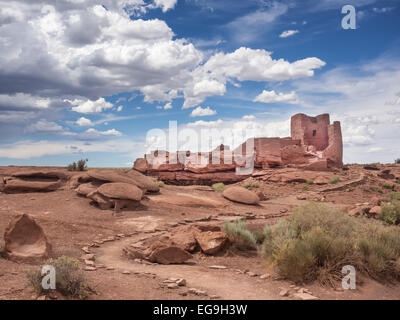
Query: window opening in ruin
[[314, 132]]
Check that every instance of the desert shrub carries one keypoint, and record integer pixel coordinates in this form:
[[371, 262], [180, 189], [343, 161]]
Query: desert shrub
[[260, 235], [376, 189], [391, 212], [218, 187], [397, 161], [78, 166], [69, 279], [305, 188], [250, 185], [160, 183], [309, 181], [334, 179], [72, 166], [316, 241], [387, 185], [81, 165], [391, 196], [239, 235]]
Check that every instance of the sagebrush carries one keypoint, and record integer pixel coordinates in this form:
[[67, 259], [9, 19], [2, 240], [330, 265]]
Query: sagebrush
[[316, 241], [70, 281], [239, 235], [218, 187]]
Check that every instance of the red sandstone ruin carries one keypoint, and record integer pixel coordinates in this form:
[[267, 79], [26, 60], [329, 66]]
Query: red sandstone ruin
[[315, 144]]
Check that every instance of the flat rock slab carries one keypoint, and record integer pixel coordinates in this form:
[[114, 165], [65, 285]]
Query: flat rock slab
[[21, 186], [186, 200]]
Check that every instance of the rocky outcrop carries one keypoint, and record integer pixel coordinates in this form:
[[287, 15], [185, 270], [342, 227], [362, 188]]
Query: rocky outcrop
[[163, 251], [116, 195], [113, 188], [86, 188], [315, 144], [143, 181], [132, 177], [25, 240], [34, 181], [176, 247], [241, 195], [212, 242], [22, 186]]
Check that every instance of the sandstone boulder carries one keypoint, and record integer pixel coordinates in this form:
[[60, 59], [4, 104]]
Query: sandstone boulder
[[241, 195], [375, 210], [110, 176], [140, 165], [143, 181], [212, 242], [375, 201], [25, 240], [164, 253], [78, 179], [119, 190], [186, 200], [103, 202], [116, 195], [185, 238], [86, 188]]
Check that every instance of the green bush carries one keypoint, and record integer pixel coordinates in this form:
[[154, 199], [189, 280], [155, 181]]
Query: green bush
[[72, 166], [391, 196], [391, 212], [218, 187], [160, 184], [237, 232], [334, 180], [397, 161], [376, 189], [69, 280], [387, 185], [305, 188], [309, 181], [316, 241], [78, 166], [250, 185]]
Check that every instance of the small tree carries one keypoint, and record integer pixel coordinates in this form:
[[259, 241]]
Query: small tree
[[78, 166], [82, 164], [397, 161]]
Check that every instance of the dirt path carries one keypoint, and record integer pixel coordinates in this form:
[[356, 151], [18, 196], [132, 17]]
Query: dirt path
[[224, 283]]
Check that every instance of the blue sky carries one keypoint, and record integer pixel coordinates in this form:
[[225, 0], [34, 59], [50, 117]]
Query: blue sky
[[91, 79]]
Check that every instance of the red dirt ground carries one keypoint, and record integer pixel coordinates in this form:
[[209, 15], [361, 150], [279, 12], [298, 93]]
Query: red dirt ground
[[71, 222]]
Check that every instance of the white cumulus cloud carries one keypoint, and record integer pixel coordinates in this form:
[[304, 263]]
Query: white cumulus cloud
[[288, 33], [90, 106], [84, 122], [273, 97], [202, 112]]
